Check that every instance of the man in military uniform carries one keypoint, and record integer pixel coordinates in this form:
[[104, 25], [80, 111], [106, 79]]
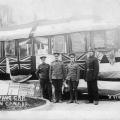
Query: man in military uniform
[[73, 74], [43, 74], [91, 74], [57, 76]]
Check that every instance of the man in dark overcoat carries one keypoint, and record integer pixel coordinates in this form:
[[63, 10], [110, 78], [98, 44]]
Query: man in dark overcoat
[[91, 75], [43, 75]]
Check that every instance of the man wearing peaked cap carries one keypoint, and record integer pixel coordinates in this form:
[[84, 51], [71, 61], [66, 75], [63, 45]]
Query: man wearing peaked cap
[[56, 53], [43, 74], [91, 75], [42, 56], [57, 76]]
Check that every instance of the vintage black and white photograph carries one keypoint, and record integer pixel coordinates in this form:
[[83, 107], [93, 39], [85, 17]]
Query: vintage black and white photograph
[[60, 59]]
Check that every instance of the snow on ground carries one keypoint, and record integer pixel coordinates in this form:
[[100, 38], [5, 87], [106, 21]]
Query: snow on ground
[[106, 110], [83, 106]]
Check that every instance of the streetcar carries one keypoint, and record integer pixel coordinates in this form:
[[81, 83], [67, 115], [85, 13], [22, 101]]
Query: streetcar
[[24, 46]]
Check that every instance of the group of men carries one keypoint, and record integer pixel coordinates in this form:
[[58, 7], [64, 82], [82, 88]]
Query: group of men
[[56, 74]]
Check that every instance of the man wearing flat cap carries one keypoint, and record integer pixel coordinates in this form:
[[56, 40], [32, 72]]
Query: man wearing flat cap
[[57, 76], [72, 79], [43, 74], [91, 74]]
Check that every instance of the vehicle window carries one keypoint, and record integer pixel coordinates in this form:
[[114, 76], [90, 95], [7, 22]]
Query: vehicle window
[[25, 48], [58, 44], [10, 48], [41, 45], [110, 38], [78, 42], [0, 49], [99, 39]]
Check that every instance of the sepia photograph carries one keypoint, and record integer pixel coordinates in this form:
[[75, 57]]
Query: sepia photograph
[[60, 59]]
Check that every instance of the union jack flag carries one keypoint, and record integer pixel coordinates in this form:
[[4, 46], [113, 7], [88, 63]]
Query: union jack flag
[[2, 65], [13, 63], [22, 63], [25, 63], [65, 58], [80, 59]]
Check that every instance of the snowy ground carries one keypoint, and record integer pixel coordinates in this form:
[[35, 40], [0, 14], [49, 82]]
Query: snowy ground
[[106, 110], [83, 106]]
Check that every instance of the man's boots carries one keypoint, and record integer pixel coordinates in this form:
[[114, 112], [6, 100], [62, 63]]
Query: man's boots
[[76, 97], [96, 102]]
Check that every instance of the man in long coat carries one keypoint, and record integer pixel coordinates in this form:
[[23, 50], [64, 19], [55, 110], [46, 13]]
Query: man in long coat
[[91, 75]]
